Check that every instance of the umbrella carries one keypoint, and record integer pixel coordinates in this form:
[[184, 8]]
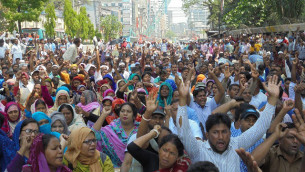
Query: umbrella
[[116, 41]]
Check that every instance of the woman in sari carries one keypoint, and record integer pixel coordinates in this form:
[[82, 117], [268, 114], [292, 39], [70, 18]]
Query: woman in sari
[[46, 155], [82, 154], [13, 115], [165, 93], [112, 139]]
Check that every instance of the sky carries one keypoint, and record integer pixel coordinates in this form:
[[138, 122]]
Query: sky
[[178, 14]]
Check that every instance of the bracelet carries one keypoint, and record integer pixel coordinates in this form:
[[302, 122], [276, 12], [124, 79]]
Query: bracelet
[[156, 132], [145, 118]]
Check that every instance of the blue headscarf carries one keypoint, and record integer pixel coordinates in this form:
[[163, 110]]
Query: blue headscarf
[[62, 88], [8, 147], [113, 85], [172, 83], [45, 128], [169, 97]]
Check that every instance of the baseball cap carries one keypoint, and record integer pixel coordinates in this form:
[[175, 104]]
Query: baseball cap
[[249, 112], [160, 110], [200, 85]]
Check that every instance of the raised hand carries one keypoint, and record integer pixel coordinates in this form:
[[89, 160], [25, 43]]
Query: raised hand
[[25, 144], [298, 121], [281, 130], [167, 108], [5, 86], [248, 160], [273, 87], [254, 73], [288, 105], [227, 72], [183, 89], [151, 103], [42, 75]]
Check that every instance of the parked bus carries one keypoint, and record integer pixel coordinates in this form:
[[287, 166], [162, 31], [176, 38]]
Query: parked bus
[[39, 32]]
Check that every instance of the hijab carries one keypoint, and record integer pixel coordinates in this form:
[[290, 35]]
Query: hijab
[[45, 128], [12, 123], [169, 97], [116, 102], [33, 107], [91, 101], [107, 92], [37, 158], [5, 126], [63, 92], [113, 85], [55, 116], [131, 87], [172, 83], [73, 154]]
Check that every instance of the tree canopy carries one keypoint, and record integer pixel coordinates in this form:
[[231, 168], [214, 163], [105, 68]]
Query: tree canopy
[[111, 27], [50, 23]]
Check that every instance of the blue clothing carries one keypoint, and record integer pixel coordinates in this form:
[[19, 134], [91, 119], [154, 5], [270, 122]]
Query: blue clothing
[[192, 115], [255, 58], [172, 83], [113, 86], [237, 132], [8, 147], [45, 128]]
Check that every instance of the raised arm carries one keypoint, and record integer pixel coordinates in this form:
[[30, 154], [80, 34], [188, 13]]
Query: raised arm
[[288, 105], [221, 91], [294, 70], [298, 99], [98, 124], [249, 137], [225, 108], [143, 140], [262, 150]]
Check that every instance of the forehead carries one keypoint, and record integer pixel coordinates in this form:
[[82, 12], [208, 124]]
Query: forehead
[[219, 127]]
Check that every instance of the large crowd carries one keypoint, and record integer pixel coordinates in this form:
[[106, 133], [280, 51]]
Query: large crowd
[[229, 104]]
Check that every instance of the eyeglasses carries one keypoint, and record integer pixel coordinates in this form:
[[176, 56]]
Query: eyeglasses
[[30, 131], [89, 142]]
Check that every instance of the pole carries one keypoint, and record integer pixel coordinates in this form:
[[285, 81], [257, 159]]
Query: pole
[[219, 16]]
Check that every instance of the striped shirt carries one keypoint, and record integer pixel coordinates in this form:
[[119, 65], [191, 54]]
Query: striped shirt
[[228, 161]]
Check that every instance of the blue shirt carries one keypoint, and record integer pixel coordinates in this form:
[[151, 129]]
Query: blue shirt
[[237, 132]]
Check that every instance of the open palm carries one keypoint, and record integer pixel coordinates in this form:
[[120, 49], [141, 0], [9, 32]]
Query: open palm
[[151, 103], [273, 87]]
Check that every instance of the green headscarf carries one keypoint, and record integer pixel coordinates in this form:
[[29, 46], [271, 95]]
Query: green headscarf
[[169, 97], [131, 87]]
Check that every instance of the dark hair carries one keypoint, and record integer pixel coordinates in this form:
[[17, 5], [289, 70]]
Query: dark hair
[[196, 92], [287, 79], [10, 73], [203, 166], [232, 85], [67, 106], [174, 101], [40, 102], [242, 107], [28, 121], [1, 119], [184, 68], [133, 108], [167, 129], [46, 139], [76, 41], [146, 73], [290, 125], [217, 118], [163, 72], [173, 138]]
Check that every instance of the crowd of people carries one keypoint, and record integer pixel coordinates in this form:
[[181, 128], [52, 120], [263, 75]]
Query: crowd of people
[[229, 104]]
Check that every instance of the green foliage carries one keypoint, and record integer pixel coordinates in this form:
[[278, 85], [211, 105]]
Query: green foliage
[[170, 34], [70, 19], [111, 27], [23, 10], [50, 23], [84, 23]]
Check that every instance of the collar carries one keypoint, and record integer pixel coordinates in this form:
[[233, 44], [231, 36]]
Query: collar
[[280, 153], [199, 105]]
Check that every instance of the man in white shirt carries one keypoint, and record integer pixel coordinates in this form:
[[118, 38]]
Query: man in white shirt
[[3, 49], [71, 52], [16, 51], [220, 147]]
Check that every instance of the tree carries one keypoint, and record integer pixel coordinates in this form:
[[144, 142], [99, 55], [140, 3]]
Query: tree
[[70, 19], [23, 10], [170, 34], [84, 22], [50, 23], [111, 27]]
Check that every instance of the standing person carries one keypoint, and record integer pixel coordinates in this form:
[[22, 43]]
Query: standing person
[[220, 147], [72, 52], [16, 51]]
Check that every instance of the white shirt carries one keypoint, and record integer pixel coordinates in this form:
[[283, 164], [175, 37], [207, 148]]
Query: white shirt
[[228, 161], [71, 54], [2, 52], [196, 131], [258, 99], [30, 85], [16, 52]]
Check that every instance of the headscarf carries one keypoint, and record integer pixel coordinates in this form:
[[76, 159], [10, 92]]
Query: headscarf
[[77, 119], [73, 65], [169, 97], [113, 86], [73, 154], [107, 92], [59, 93], [200, 78], [100, 83], [5, 126], [172, 83], [80, 78], [62, 88], [91, 101], [131, 87], [7, 106], [37, 159], [116, 102], [45, 128], [117, 84], [59, 116], [80, 86], [33, 107]]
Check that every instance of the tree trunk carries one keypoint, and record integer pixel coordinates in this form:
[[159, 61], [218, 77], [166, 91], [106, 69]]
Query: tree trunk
[[19, 22]]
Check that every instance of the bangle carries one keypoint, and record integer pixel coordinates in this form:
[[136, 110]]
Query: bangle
[[156, 132], [145, 118]]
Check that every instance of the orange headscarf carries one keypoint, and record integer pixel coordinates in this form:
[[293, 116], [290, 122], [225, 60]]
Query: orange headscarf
[[74, 146], [200, 78]]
